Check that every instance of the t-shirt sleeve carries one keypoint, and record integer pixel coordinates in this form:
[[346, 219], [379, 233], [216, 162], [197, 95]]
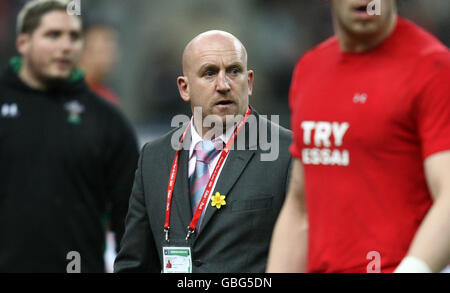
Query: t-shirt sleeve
[[295, 148], [433, 119]]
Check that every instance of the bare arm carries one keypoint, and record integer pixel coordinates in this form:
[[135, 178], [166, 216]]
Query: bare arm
[[431, 243], [288, 251]]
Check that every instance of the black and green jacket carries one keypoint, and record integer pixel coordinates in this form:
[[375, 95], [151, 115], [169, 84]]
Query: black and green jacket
[[66, 158]]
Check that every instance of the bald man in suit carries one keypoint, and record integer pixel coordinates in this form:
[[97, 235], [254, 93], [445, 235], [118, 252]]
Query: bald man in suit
[[234, 228]]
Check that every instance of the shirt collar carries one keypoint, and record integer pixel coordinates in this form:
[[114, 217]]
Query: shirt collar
[[196, 138]]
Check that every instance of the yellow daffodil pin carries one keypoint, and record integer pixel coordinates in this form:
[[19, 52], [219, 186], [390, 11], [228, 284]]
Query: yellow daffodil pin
[[218, 200]]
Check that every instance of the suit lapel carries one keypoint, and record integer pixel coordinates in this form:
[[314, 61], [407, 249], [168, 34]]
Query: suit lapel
[[234, 166], [181, 188]]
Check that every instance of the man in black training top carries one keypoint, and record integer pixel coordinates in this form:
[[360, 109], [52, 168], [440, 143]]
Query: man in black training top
[[66, 156]]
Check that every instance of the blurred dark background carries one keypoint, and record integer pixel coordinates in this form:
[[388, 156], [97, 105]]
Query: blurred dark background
[[151, 35]]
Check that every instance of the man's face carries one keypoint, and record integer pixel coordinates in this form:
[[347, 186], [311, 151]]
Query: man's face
[[216, 77], [99, 53], [52, 50], [352, 16]]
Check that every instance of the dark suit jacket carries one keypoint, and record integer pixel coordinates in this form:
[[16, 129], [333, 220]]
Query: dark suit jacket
[[233, 239]]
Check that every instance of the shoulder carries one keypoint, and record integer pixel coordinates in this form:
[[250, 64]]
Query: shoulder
[[436, 62], [109, 112], [101, 104], [277, 141], [419, 43], [431, 66], [316, 60], [166, 141], [326, 49], [285, 134], [2, 78], [9, 80]]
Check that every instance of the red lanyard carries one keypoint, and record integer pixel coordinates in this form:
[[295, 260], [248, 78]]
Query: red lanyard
[[203, 202]]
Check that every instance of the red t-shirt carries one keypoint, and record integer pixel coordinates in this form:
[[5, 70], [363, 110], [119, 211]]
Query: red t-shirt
[[363, 124]]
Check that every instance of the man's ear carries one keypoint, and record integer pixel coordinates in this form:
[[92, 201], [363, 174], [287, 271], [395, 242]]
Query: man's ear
[[23, 44], [250, 76], [183, 88]]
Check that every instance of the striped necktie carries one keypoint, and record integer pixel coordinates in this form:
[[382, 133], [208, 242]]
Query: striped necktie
[[205, 151]]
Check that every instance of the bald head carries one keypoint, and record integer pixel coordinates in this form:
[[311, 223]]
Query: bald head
[[216, 77], [209, 42]]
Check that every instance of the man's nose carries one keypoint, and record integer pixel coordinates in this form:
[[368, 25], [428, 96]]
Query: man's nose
[[66, 43], [223, 84]]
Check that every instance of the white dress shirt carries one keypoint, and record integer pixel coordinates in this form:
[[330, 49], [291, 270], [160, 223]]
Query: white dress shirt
[[196, 138]]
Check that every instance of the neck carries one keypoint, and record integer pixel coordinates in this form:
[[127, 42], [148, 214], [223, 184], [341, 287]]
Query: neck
[[350, 42], [215, 131], [208, 133], [29, 79]]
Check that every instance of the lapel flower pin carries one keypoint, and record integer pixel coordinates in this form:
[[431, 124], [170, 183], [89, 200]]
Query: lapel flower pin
[[218, 200]]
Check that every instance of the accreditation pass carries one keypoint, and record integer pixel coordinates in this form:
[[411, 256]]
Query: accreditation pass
[[177, 260]]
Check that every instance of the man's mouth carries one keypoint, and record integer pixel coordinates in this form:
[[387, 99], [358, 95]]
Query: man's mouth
[[361, 11], [360, 8], [63, 62], [224, 103]]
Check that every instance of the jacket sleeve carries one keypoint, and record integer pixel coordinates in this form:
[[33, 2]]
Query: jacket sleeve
[[121, 158], [138, 252]]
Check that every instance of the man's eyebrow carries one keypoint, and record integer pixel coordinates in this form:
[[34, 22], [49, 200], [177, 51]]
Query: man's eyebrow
[[53, 30], [207, 66], [236, 64], [78, 32]]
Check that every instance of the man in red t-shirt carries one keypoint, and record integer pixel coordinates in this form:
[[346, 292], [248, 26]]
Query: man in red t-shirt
[[99, 55], [370, 185]]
